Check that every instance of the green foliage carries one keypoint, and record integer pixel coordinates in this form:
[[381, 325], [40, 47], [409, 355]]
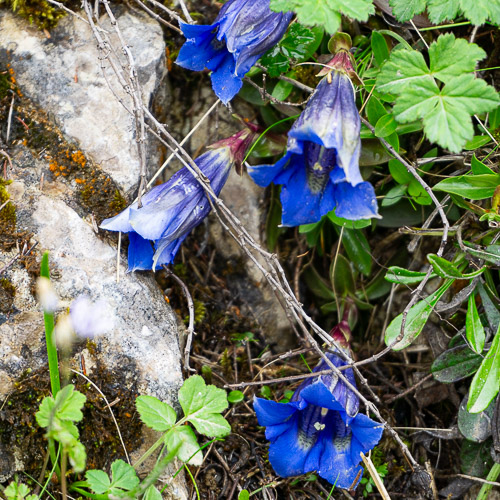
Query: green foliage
[[326, 13], [444, 95], [297, 45], [18, 491], [477, 11], [156, 414], [123, 478], [58, 416]]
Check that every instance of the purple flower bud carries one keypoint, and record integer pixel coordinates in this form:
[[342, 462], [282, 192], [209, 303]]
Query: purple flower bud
[[172, 210], [320, 429], [241, 33], [320, 170]]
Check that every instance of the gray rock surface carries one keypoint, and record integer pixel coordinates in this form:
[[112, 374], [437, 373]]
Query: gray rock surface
[[144, 340], [63, 75]]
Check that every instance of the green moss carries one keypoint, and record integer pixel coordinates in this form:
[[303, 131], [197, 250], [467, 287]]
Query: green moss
[[8, 216], [7, 294], [39, 12], [5, 83]]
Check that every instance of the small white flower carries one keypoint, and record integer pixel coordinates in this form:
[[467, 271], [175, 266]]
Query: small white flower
[[90, 318], [47, 295]]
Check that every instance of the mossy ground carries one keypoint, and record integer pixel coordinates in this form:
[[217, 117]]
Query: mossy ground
[[19, 430]]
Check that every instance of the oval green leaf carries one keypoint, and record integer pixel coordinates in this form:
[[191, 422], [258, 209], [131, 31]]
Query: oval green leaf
[[455, 364]]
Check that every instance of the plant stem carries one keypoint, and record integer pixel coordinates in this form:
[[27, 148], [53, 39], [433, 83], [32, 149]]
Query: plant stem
[[194, 482], [492, 476], [48, 319]]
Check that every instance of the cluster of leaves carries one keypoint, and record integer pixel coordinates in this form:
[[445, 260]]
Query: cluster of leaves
[[202, 406], [327, 13]]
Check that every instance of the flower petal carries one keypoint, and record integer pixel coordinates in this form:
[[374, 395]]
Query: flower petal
[[273, 413], [140, 253], [355, 202]]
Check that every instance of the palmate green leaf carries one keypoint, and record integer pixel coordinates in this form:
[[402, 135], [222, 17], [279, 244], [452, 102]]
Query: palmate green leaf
[[404, 10], [446, 112], [478, 11], [325, 13], [442, 10], [189, 450], [66, 406], [486, 382], [123, 478], [156, 414]]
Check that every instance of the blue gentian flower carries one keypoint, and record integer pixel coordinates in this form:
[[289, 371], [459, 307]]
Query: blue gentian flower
[[171, 210], [241, 33], [320, 170], [320, 429]]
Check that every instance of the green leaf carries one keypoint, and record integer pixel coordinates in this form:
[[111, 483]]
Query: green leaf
[[156, 414], [77, 456], [235, 397], [351, 224], [455, 364], [478, 167], [244, 495], [385, 126], [446, 112], [202, 405], [189, 451], [210, 424], [418, 193], [404, 10], [450, 57], [379, 48], [325, 12], [490, 254], [399, 172], [152, 494], [475, 458], [123, 477], [475, 426], [16, 491], [478, 141], [442, 10], [66, 406], [341, 276], [375, 110], [98, 481], [473, 326], [478, 11], [394, 195], [400, 275], [486, 382], [443, 267], [491, 310], [474, 187], [358, 249], [415, 321]]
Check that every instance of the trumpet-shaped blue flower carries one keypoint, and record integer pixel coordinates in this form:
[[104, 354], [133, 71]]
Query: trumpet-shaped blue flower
[[320, 429], [320, 170], [241, 33], [171, 210]]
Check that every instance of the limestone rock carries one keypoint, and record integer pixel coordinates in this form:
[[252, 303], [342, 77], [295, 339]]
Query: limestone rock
[[63, 75]]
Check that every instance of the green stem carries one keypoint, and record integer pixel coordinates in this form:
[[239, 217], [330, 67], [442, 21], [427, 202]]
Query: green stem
[[48, 319], [151, 450], [87, 494], [54, 456], [194, 482], [486, 488]]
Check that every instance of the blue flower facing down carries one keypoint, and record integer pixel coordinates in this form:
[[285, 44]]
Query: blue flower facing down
[[241, 33], [320, 429], [172, 210], [320, 170]]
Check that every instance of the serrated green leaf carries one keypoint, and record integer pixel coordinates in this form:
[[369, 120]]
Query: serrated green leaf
[[446, 112], [404, 10], [152, 494], [450, 57], [156, 414], [189, 449], [123, 477], [415, 320], [16, 491], [486, 382], [442, 10], [325, 12], [474, 329], [69, 404], [98, 481], [474, 187], [455, 364], [478, 11], [210, 424]]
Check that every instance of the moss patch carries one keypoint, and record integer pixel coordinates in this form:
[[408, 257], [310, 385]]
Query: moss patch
[[19, 430], [7, 294], [38, 12]]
